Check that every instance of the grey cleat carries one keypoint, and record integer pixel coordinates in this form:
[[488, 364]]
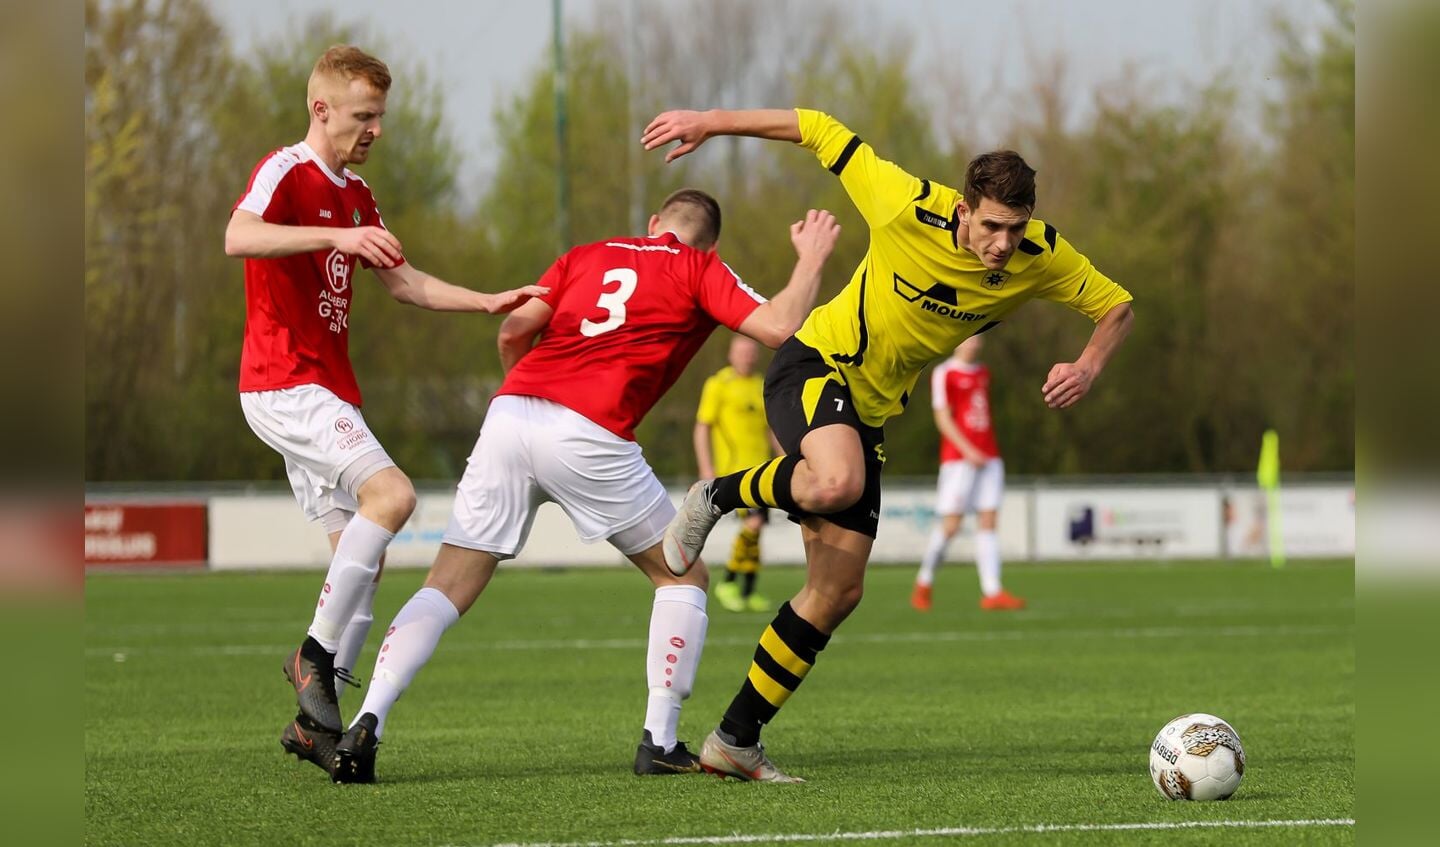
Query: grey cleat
[[311, 672], [686, 534], [747, 763], [310, 743]]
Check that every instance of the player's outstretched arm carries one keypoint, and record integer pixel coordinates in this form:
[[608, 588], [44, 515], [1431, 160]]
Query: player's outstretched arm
[[408, 284], [814, 238], [249, 236], [518, 332], [692, 129], [1069, 381]]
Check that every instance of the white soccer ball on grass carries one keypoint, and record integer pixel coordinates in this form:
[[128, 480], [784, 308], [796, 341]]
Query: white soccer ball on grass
[[1197, 757]]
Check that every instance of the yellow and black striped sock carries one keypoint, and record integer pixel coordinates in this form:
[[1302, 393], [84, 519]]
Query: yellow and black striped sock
[[787, 650], [766, 484]]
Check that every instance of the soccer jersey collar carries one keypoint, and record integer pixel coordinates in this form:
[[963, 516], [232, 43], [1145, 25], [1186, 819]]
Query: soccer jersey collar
[[320, 163]]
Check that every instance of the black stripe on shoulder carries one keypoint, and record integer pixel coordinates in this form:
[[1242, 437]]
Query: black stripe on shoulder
[[1030, 248], [1050, 237], [987, 327], [845, 155], [924, 191]]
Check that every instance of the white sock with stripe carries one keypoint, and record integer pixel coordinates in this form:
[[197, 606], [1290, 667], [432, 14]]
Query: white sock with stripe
[[677, 638], [408, 645]]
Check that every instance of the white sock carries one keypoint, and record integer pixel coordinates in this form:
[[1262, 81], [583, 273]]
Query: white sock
[[677, 637], [934, 553], [408, 645], [352, 571], [353, 640], [987, 560]]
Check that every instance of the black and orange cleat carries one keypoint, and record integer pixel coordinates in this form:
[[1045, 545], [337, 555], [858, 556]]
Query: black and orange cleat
[[310, 743], [311, 671], [355, 752], [652, 760]]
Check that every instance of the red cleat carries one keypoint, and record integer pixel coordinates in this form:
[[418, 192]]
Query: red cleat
[[1002, 601], [920, 598]]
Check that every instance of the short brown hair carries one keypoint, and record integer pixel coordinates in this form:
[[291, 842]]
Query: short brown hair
[[1002, 176], [348, 62], [696, 211]]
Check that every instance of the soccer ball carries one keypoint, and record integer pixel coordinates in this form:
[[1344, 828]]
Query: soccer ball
[[1197, 757]]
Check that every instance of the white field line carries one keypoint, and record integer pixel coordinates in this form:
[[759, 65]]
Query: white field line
[[1257, 631], [946, 832]]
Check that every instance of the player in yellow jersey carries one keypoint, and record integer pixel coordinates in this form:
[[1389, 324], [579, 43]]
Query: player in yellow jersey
[[731, 435], [941, 266]]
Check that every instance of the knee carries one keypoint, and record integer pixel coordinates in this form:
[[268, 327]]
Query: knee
[[391, 498], [835, 492]]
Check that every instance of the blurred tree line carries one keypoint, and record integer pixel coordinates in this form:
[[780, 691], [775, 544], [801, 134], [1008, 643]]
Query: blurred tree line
[[1238, 245]]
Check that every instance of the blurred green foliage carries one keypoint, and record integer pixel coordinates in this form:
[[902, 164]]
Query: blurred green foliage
[[1238, 243]]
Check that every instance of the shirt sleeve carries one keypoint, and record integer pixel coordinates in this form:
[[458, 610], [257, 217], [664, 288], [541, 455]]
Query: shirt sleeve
[[939, 399], [1073, 281], [724, 296], [879, 189], [709, 411], [554, 279], [268, 193]]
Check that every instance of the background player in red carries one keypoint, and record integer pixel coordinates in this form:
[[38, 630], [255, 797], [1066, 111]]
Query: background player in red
[[301, 226], [622, 320], [972, 474]]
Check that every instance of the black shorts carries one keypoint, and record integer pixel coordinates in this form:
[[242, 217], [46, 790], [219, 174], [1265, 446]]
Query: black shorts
[[803, 393]]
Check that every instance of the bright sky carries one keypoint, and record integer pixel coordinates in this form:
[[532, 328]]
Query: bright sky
[[484, 49]]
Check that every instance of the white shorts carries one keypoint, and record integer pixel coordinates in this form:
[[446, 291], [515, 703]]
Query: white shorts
[[329, 450], [531, 451], [966, 488]]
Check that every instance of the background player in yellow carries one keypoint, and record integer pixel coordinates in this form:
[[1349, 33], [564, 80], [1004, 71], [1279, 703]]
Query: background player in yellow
[[941, 267], [731, 435]]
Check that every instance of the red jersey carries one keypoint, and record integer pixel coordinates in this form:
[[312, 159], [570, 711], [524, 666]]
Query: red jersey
[[964, 390], [629, 315], [297, 308]]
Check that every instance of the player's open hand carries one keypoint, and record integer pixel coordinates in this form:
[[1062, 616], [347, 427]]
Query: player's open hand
[[688, 127], [1067, 383], [504, 302], [815, 236], [375, 244]]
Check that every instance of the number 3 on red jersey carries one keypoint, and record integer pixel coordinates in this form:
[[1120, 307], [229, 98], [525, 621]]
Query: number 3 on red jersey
[[612, 302]]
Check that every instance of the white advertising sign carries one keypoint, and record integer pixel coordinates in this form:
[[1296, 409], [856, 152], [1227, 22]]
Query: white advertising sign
[[1127, 523], [1314, 521]]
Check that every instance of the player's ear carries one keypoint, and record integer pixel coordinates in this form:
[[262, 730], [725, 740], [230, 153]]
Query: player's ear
[[962, 210], [319, 110], [654, 227]]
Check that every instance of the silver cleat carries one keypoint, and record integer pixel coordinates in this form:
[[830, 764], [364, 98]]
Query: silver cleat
[[748, 763], [686, 534]]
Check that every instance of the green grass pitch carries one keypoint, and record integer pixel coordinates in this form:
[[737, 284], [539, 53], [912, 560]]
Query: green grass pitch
[[955, 727]]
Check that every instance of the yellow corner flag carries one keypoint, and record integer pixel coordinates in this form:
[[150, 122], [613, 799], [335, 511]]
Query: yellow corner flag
[[1268, 476]]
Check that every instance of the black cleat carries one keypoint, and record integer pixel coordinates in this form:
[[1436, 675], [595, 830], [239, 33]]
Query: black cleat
[[310, 743], [355, 754], [311, 671], [652, 760]]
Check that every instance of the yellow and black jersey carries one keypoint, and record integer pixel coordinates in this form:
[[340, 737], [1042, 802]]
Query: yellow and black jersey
[[918, 293], [733, 406]]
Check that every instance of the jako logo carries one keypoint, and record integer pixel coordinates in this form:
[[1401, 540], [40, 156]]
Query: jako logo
[[677, 642]]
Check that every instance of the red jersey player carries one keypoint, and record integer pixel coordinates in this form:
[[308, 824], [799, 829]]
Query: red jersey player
[[972, 474], [302, 224], [621, 321]]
